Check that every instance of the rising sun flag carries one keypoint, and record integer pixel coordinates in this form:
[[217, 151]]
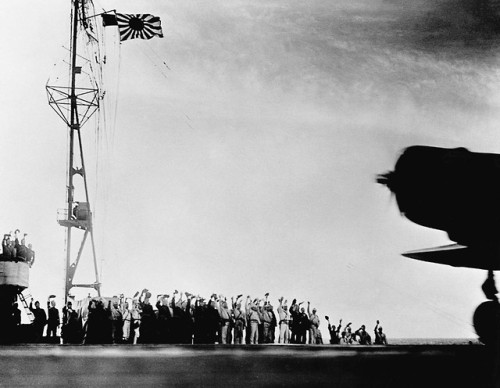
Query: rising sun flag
[[134, 26]]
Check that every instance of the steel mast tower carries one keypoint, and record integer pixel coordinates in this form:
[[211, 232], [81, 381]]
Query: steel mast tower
[[75, 105]]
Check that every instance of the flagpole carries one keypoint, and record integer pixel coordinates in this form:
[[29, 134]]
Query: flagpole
[[76, 214], [73, 125], [74, 128], [99, 14]]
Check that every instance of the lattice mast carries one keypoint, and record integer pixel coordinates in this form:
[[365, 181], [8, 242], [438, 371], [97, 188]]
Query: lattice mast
[[79, 104]]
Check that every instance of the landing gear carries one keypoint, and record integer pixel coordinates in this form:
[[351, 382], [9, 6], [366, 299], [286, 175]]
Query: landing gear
[[487, 315]]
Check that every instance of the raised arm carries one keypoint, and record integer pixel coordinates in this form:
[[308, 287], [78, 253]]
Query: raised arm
[[247, 304], [189, 297], [143, 293], [173, 302], [218, 303]]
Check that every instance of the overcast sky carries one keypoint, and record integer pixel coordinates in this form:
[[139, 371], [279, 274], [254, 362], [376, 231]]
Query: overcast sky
[[248, 164]]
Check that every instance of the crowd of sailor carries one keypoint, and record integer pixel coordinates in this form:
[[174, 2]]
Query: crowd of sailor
[[183, 318], [15, 248]]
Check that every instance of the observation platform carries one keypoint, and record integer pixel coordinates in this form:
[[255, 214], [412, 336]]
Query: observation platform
[[81, 217], [14, 274]]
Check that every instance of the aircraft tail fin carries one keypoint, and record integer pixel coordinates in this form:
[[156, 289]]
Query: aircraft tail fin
[[458, 255]]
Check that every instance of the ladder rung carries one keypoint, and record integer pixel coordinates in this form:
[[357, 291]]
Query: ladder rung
[[29, 313]]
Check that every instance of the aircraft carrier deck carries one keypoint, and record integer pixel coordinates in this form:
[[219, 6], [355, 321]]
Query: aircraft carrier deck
[[247, 366]]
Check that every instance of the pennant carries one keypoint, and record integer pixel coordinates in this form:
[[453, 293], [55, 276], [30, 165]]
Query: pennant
[[109, 19]]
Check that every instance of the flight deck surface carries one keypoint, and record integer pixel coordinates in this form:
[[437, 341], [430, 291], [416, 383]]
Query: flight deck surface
[[246, 366]]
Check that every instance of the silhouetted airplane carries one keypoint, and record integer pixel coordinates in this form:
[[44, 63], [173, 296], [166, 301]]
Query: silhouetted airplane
[[456, 191]]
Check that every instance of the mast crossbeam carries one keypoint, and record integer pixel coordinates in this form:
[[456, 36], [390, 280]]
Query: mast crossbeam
[[61, 100]]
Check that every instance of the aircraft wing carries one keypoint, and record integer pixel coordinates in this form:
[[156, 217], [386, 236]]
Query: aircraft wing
[[458, 255]]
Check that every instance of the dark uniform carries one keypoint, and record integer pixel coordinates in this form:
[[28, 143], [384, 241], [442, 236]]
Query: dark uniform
[[40, 320], [53, 321]]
